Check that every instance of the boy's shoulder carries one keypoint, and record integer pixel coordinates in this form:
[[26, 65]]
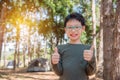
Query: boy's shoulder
[[62, 48], [62, 45], [86, 46]]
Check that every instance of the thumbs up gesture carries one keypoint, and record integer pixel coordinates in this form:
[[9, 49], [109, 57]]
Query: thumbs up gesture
[[88, 54], [55, 56]]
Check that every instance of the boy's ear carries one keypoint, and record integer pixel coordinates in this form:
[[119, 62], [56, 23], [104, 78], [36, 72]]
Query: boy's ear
[[83, 28], [65, 29]]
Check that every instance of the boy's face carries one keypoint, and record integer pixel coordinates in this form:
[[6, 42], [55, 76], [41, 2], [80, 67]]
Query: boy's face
[[74, 29]]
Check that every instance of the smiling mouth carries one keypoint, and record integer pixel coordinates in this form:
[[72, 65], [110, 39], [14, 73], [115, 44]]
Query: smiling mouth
[[73, 35]]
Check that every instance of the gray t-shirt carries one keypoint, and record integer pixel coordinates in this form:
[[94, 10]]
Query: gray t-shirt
[[72, 65]]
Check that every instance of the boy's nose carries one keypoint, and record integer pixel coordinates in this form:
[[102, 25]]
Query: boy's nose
[[73, 30]]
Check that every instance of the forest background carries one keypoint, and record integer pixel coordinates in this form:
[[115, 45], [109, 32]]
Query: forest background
[[30, 29]]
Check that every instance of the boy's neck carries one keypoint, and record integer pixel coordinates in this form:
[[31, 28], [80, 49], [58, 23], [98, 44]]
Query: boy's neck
[[75, 42]]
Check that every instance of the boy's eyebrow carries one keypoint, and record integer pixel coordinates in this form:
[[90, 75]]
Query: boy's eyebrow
[[73, 26]]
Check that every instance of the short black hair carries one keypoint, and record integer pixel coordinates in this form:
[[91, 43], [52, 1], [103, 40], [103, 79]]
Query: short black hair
[[75, 16]]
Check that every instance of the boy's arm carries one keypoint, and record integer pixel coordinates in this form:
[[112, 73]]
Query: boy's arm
[[91, 66], [58, 68]]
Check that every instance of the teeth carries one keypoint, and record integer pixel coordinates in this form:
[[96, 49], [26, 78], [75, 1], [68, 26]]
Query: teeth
[[73, 35]]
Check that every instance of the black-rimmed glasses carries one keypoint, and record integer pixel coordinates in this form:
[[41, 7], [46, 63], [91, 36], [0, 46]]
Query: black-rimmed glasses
[[73, 27]]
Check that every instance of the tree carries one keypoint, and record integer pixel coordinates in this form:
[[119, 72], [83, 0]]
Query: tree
[[21, 9], [100, 46], [107, 23], [85, 9], [52, 27], [94, 26], [116, 45], [2, 24]]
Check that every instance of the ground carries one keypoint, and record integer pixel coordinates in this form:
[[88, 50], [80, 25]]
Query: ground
[[30, 76], [21, 74]]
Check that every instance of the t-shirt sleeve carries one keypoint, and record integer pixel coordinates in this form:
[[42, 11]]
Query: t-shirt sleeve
[[57, 68], [91, 66]]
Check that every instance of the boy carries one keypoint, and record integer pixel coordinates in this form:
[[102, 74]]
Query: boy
[[74, 61]]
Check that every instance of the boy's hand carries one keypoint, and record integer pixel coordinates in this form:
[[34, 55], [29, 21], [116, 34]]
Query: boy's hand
[[88, 54], [55, 56]]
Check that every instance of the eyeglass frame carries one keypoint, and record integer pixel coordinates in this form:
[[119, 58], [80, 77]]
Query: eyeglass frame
[[73, 27]]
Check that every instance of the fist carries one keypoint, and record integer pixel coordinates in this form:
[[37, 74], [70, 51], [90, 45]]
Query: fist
[[55, 56], [88, 54]]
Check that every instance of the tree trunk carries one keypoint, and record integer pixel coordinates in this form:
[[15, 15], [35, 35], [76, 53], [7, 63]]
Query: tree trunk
[[29, 46], [2, 26], [107, 23], [18, 45], [4, 55], [45, 48], [116, 45], [100, 48], [38, 49], [16, 55], [24, 56], [94, 27], [35, 47]]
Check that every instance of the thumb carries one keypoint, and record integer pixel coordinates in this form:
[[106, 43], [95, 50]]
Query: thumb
[[56, 50], [92, 48]]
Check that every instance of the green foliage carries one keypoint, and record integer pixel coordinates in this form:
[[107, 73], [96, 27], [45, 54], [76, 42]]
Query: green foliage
[[52, 26], [56, 12], [85, 8], [45, 27], [83, 38]]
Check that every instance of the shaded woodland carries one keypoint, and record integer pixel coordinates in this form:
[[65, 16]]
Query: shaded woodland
[[30, 29]]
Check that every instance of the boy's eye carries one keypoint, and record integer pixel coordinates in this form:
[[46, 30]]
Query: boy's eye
[[77, 27], [73, 27]]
